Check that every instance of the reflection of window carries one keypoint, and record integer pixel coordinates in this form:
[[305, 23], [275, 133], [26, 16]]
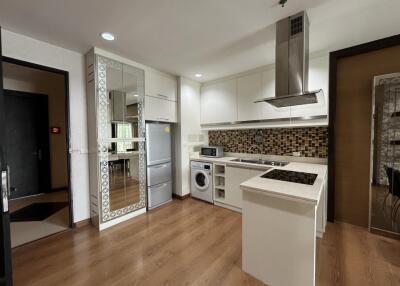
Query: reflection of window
[[124, 130]]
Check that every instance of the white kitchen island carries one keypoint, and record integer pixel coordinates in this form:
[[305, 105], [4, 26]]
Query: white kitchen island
[[280, 222]]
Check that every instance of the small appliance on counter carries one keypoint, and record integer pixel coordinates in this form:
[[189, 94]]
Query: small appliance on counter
[[212, 151], [159, 172]]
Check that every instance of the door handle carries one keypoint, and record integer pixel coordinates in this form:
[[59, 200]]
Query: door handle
[[8, 181], [5, 188]]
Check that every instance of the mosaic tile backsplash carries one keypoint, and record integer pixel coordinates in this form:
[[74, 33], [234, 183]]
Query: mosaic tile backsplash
[[310, 141]]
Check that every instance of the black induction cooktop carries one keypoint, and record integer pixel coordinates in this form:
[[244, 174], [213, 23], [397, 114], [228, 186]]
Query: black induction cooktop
[[291, 176]]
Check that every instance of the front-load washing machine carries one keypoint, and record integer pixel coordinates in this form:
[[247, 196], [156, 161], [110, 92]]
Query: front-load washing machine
[[202, 181]]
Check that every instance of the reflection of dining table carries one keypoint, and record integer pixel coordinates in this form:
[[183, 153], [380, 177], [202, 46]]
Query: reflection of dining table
[[133, 163], [123, 155]]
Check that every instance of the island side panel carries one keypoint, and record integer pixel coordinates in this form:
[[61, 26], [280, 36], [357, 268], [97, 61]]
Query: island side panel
[[279, 240]]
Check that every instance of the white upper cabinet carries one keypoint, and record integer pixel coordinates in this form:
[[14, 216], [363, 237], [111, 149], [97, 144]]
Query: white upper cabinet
[[161, 86], [249, 90], [161, 97], [318, 77], [222, 103], [157, 109], [254, 87], [218, 102], [268, 82], [268, 90]]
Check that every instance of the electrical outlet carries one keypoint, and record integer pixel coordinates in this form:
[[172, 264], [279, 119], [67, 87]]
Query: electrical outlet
[[296, 154]]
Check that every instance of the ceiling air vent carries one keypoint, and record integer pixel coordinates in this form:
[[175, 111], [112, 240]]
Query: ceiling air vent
[[296, 25]]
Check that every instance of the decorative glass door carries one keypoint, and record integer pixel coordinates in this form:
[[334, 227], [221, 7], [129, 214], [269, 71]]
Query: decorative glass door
[[121, 137], [385, 183]]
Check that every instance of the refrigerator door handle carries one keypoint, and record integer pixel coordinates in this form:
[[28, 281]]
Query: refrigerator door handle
[[160, 166], [160, 186]]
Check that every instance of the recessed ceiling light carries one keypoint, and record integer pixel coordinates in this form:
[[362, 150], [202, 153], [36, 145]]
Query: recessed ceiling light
[[136, 95], [107, 36], [198, 75]]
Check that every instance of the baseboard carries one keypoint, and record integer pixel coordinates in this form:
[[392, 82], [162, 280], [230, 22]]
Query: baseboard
[[226, 206], [59, 189], [181, 197], [82, 223], [385, 233]]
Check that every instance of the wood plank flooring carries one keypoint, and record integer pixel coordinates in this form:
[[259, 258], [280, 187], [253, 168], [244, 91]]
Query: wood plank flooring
[[191, 243]]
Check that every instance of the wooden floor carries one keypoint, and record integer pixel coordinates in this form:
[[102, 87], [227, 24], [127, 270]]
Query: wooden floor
[[191, 243]]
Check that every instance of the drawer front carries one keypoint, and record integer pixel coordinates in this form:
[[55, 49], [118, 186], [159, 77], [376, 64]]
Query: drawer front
[[159, 194], [158, 174]]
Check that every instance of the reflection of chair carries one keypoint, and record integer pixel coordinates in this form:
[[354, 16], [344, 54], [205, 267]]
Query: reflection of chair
[[389, 174], [119, 167], [394, 190], [395, 193]]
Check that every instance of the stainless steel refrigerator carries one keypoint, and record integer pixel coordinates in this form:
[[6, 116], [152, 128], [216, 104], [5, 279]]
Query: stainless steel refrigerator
[[159, 173]]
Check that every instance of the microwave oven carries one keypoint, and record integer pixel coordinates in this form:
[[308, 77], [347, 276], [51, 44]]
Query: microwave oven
[[212, 151]]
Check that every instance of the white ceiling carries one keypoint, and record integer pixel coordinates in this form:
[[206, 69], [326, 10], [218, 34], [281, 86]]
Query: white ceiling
[[184, 37]]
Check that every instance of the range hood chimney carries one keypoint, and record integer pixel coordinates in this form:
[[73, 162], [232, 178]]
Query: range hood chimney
[[291, 71]]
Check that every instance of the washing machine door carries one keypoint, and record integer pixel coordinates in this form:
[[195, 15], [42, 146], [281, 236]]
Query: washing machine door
[[201, 180]]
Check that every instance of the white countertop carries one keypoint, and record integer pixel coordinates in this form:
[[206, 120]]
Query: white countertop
[[289, 190], [228, 161], [276, 188], [211, 159]]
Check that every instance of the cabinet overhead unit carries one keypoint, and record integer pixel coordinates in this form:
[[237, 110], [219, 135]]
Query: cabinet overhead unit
[[161, 86], [219, 102], [160, 99]]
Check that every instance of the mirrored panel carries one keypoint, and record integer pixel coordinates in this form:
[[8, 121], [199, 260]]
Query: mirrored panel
[[385, 183], [121, 137], [124, 179]]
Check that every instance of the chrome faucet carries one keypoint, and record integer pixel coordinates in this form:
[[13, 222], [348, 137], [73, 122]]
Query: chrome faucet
[[254, 146]]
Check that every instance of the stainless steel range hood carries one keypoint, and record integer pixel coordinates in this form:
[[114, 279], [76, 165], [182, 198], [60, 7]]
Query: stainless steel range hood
[[291, 68]]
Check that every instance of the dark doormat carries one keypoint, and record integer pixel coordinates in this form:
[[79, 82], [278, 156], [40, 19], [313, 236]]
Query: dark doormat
[[37, 211]]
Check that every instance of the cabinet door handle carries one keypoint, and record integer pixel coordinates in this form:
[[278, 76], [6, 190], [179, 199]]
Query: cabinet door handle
[[162, 118], [162, 95]]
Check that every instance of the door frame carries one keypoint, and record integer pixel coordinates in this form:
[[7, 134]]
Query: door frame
[[44, 167], [5, 239], [334, 58], [67, 120]]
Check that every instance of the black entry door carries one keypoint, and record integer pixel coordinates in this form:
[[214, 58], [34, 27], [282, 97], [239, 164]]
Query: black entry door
[[5, 247], [26, 140]]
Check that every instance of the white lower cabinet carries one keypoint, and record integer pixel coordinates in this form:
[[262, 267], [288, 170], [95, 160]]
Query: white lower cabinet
[[322, 210], [234, 176], [157, 109]]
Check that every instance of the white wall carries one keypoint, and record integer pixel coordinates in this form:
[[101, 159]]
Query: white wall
[[27, 49], [188, 124]]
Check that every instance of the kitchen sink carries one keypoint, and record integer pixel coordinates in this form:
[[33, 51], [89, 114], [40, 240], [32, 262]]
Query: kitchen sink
[[261, 162]]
